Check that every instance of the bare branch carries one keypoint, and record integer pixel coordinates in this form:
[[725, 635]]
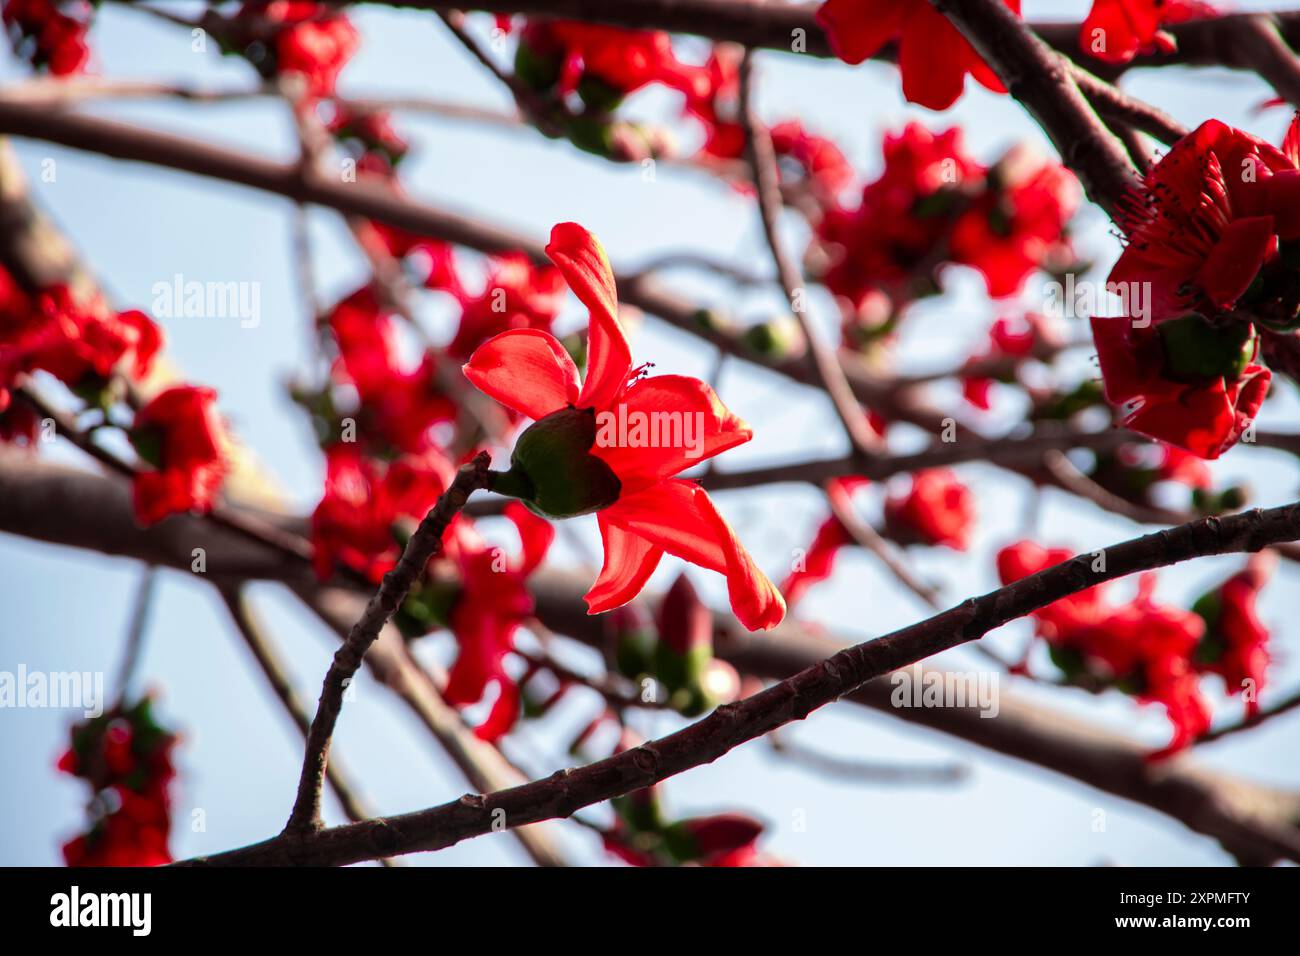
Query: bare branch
[[397, 583], [731, 725]]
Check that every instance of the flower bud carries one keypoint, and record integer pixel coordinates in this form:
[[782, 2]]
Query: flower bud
[[1196, 350], [685, 644], [552, 470]]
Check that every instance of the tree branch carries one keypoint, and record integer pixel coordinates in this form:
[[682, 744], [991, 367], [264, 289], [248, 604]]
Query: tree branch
[[731, 725], [397, 583], [53, 503]]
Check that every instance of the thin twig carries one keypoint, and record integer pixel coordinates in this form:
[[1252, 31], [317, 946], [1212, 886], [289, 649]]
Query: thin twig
[[254, 636], [870, 539], [135, 631], [1284, 706], [397, 583], [865, 771], [830, 374]]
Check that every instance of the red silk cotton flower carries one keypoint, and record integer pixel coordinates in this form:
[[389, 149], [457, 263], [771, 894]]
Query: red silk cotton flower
[[932, 56], [613, 443], [1143, 648], [1208, 217], [179, 433], [938, 509], [1118, 30], [307, 38], [1235, 645], [1190, 384], [492, 603], [52, 33], [77, 339]]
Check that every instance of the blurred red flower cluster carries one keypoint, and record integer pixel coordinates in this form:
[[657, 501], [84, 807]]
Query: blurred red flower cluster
[[1155, 652], [933, 204], [126, 758], [50, 34]]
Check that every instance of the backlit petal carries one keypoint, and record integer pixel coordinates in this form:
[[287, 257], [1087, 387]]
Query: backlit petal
[[663, 425], [629, 562], [525, 369], [586, 268]]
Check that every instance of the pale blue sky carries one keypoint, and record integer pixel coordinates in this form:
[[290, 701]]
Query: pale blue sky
[[139, 225]]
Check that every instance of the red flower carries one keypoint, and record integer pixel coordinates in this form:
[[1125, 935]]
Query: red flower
[[565, 467], [933, 56], [1144, 647], [307, 39], [125, 756], [396, 405], [1236, 642], [1207, 217], [724, 839], [492, 603], [1018, 224], [1117, 30], [57, 31], [72, 338], [623, 61], [1204, 414], [937, 509], [903, 215], [357, 519], [179, 433], [516, 295], [1010, 340], [819, 560]]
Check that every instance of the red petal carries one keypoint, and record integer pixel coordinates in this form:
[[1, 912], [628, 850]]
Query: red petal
[[1201, 420], [1236, 258], [678, 517], [1283, 201], [1291, 143], [757, 603], [1110, 24], [933, 58], [535, 536], [682, 422], [587, 270], [504, 712], [1120, 370], [857, 29], [525, 369], [629, 562]]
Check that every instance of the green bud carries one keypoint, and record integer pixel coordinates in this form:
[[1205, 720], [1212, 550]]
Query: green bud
[[634, 653], [537, 71], [675, 670], [553, 471], [427, 608], [597, 95], [779, 338], [1196, 350]]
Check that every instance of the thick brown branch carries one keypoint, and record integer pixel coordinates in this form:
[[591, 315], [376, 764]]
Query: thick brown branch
[[53, 503], [731, 725]]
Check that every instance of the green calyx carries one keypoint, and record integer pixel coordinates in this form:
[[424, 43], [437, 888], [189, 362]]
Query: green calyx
[[148, 444], [1197, 350], [427, 608], [553, 471]]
